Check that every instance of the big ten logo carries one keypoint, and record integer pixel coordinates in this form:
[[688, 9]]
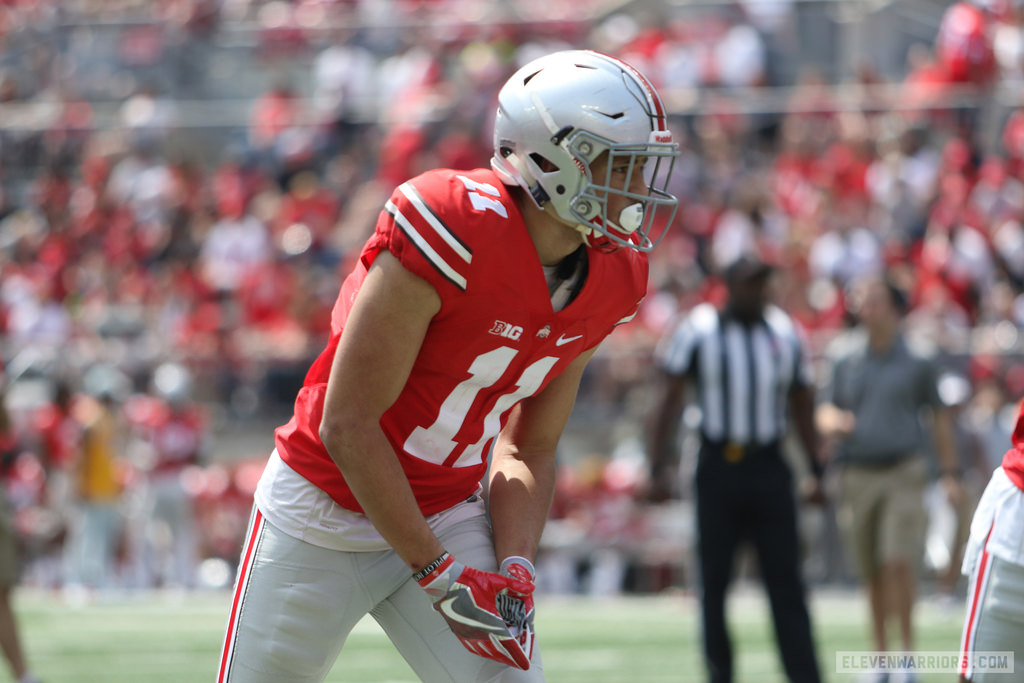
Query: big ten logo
[[503, 329]]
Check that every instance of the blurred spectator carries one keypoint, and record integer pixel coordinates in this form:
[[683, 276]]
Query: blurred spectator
[[964, 43], [596, 529], [1008, 40], [306, 216], [274, 127], [847, 248], [281, 34], [144, 183], [749, 224], [58, 429], [989, 417], [344, 80], [236, 243], [148, 118], [171, 431], [739, 57], [97, 484]]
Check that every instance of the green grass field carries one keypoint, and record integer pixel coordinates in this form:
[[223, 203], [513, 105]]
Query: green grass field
[[163, 638]]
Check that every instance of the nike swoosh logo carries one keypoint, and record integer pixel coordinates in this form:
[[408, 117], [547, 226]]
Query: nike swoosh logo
[[562, 339], [446, 608]]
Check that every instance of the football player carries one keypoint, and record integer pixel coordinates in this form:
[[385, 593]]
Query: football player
[[994, 560], [458, 341]]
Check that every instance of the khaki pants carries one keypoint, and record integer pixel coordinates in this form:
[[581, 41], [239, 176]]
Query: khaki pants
[[295, 603], [882, 515]]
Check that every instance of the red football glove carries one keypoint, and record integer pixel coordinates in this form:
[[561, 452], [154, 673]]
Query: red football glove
[[518, 611], [466, 598]]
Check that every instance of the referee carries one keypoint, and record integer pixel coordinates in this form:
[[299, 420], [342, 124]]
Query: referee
[[751, 375]]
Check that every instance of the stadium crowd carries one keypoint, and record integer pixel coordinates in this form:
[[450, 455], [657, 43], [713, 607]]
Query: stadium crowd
[[148, 223]]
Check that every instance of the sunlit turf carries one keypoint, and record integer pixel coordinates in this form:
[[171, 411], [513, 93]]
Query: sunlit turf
[[158, 638]]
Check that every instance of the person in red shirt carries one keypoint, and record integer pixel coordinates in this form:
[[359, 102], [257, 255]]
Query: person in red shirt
[[60, 433], [963, 46], [57, 434], [308, 208], [458, 341], [172, 427], [994, 619]]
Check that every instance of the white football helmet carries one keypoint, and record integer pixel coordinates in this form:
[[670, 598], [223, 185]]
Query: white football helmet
[[559, 113]]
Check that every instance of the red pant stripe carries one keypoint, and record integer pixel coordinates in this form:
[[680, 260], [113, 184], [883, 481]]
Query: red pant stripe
[[977, 592], [240, 585]]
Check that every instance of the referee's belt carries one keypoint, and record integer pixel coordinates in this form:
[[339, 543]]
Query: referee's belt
[[735, 451]]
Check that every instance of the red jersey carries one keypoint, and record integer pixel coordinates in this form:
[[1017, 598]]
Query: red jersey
[[1013, 461], [60, 433], [495, 341], [175, 434], [963, 45]]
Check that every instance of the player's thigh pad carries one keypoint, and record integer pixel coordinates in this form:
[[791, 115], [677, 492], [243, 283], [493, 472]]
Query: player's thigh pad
[[294, 605], [424, 638]]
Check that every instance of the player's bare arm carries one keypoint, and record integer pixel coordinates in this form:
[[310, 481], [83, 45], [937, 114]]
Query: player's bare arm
[[375, 354], [522, 477]]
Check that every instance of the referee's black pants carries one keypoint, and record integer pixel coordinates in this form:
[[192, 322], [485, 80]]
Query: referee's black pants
[[751, 498]]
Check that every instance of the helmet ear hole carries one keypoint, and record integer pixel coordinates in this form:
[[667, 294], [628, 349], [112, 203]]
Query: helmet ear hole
[[545, 164]]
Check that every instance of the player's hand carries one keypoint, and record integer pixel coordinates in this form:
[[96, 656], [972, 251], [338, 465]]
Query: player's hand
[[467, 599], [518, 611]]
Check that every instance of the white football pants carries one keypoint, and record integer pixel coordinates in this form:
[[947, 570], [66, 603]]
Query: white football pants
[[295, 603], [995, 620]]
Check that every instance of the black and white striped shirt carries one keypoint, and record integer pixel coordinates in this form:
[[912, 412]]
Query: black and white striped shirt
[[743, 373]]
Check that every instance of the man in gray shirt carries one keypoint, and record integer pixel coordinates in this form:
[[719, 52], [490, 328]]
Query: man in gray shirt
[[879, 390]]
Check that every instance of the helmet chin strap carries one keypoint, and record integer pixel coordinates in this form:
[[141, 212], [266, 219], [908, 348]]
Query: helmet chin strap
[[630, 220], [587, 231]]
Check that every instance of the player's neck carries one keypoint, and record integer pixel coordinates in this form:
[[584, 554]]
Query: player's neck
[[553, 239]]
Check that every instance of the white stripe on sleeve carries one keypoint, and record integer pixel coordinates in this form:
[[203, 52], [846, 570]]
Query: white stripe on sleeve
[[428, 251], [434, 222]]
